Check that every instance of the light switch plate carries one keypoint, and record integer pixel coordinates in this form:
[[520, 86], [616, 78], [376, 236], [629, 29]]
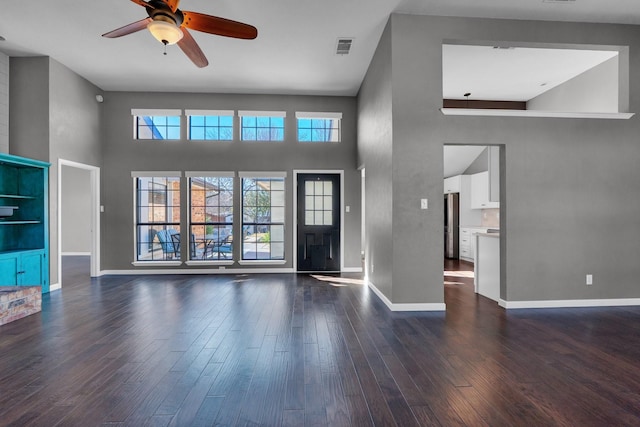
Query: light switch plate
[[424, 203]]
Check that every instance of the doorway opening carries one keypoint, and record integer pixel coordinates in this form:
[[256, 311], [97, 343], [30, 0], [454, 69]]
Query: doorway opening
[[473, 203], [78, 217]]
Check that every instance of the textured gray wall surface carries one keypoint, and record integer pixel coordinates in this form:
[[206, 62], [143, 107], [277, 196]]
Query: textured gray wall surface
[[375, 139], [29, 107], [568, 186], [76, 210], [123, 154]]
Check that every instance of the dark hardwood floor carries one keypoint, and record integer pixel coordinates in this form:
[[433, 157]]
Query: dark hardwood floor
[[294, 350]]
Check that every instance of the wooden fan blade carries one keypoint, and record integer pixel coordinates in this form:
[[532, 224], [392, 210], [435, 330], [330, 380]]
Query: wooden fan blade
[[218, 26], [192, 50], [143, 3], [128, 29], [173, 4]]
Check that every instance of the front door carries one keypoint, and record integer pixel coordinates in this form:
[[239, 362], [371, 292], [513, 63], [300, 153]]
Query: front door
[[318, 222]]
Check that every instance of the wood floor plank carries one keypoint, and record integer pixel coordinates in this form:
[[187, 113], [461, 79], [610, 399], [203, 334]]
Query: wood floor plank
[[298, 350]]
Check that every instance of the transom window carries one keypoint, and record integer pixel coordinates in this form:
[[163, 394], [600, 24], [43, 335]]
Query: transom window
[[211, 215], [157, 227], [318, 207], [319, 127], [156, 124], [262, 125], [210, 125], [263, 209]]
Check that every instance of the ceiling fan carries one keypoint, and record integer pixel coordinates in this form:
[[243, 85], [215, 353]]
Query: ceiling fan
[[170, 25]]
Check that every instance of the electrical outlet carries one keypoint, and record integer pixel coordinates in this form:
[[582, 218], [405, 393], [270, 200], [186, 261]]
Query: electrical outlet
[[589, 279]]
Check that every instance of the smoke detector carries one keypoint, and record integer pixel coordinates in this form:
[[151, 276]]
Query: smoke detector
[[343, 45]]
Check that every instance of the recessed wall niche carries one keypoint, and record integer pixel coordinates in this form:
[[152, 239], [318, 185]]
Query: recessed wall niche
[[541, 80]]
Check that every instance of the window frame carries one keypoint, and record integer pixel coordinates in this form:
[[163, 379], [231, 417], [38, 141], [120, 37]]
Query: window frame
[[243, 223], [136, 175], [303, 115], [208, 114], [245, 114], [210, 174], [138, 113]]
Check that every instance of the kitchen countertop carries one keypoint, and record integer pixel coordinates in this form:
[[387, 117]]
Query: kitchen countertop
[[488, 234]]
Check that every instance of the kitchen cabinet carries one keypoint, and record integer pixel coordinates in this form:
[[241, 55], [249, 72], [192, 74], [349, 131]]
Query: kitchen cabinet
[[480, 192], [467, 246], [24, 223], [452, 184]]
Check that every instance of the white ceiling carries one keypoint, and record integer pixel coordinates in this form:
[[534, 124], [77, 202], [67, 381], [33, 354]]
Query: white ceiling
[[293, 54]]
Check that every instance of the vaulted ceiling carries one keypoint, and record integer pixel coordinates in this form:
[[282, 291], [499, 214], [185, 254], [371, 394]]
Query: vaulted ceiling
[[293, 54]]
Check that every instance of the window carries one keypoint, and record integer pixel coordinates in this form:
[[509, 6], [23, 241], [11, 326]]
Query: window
[[318, 127], [211, 215], [262, 125], [157, 216], [156, 124], [263, 216], [210, 125], [318, 206]]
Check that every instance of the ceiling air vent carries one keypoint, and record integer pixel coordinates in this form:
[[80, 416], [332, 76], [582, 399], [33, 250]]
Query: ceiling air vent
[[344, 45]]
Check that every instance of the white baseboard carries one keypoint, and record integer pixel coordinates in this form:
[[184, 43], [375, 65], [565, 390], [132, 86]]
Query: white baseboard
[[406, 306], [75, 253], [570, 303], [352, 270], [196, 271], [55, 287]]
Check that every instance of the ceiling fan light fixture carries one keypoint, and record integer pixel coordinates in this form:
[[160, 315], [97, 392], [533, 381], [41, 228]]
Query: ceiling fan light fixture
[[165, 32]]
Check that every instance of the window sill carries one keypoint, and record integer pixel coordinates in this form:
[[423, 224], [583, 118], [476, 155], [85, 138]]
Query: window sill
[[208, 262], [263, 262], [156, 263], [533, 113]]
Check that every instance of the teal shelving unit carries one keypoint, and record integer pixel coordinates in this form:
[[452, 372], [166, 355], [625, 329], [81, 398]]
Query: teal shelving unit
[[24, 224]]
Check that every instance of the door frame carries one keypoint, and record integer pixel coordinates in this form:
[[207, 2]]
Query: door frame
[[296, 172], [94, 172]]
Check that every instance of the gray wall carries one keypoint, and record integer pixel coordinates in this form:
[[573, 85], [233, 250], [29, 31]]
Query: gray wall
[[375, 139], [53, 115], [76, 210], [123, 154], [4, 103], [569, 186], [29, 107]]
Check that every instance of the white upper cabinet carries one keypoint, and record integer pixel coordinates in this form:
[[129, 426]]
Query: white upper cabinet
[[480, 192], [453, 184]]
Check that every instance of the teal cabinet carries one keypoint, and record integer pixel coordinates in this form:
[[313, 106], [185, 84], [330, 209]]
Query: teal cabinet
[[24, 222], [23, 268]]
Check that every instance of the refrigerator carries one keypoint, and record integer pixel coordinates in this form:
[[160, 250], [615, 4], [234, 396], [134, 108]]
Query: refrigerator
[[451, 225]]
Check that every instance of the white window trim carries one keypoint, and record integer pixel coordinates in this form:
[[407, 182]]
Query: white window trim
[[195, 262], [140, 174], [227, 113], [155, 112], [318, 115], [269, 174], [249, 113], [257, 175], [196, 174], [210, 174], [153, 174]]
